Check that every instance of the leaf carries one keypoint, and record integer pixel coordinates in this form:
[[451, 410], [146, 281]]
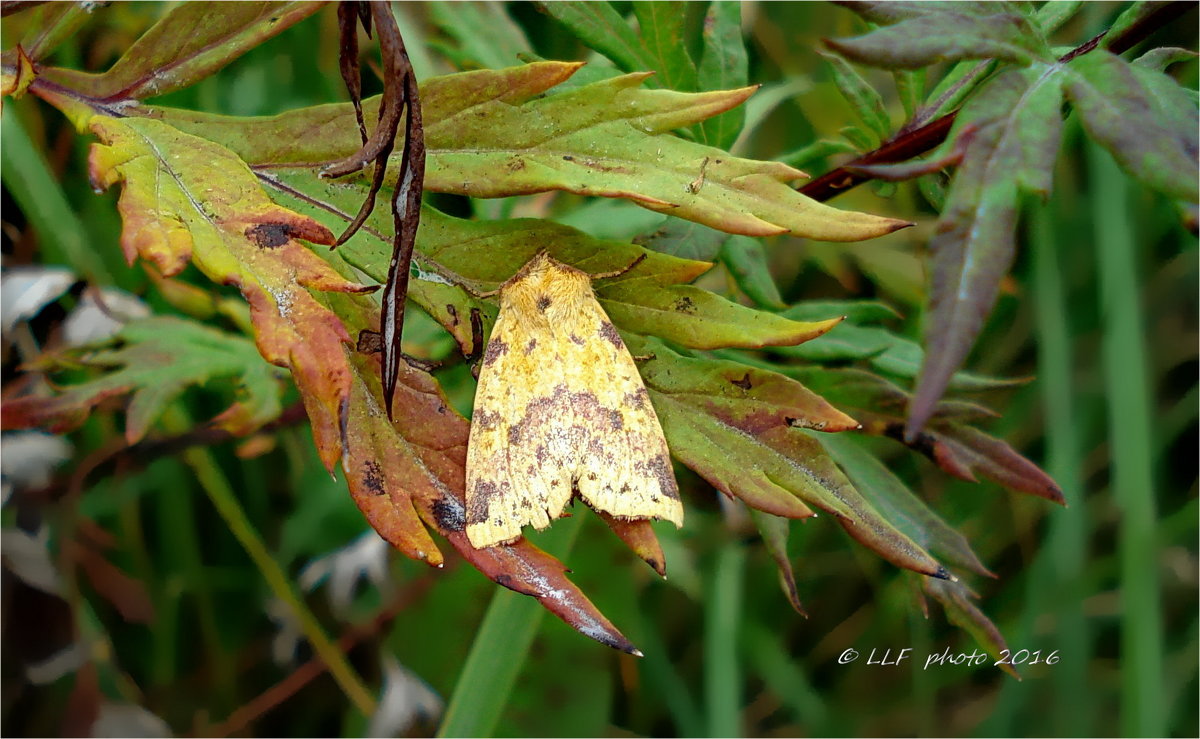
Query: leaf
[[863, 98], [452, 252], [189, 43], [774, 532], [55, 22], [941, 32], [601, 28], [741, 429], [425, 452], [486, 138], [661, 26], [487, 36], [956, 600], [1142, 117], [684, 239], [893, 11], [1161, 58], [899, 505], [157, 360], [746, 261], [723, 66], [1016, 127], [956, 447], [884, 350], [186, 198]]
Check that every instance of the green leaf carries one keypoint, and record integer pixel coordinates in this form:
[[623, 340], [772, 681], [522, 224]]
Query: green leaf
[[816, 151], [1142, 117], [956, 600], [855, 311], [487, 36], [189, 43], [155, 361], [910, 88], [743, 429], [899, 505], [774, 533], [723, 66], [942, 33], [954, 445], [1015, 126], [746, 261], [1052, 16], [1161, 58], [601, 28], [684, 239], [661, 24], [486, 137], [893, 11], [864, 99]]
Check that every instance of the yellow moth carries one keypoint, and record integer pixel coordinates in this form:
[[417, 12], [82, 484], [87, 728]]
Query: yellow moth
[[560, 410]]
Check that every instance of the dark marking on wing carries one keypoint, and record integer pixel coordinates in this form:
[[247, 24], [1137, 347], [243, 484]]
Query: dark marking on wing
[[608, 332], [496, 348], [531, 346], [543, 302]]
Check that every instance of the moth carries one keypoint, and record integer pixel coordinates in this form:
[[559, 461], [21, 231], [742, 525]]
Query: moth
[[560, 411]]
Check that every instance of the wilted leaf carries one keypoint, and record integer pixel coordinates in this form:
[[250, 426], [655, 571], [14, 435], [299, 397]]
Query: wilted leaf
[[1017, 126], [1142, 117], [157, 360], [186, 198], [948, 440], [485, 137], [939, 32], [189, 43]]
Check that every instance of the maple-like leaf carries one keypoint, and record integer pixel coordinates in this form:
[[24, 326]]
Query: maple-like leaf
[[488, 134], [743, 429], [412, 470], [188, 199], [482, 254], [154, 361], [948, 439]]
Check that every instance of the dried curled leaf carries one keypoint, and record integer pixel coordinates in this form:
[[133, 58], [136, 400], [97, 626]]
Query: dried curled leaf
[[188, 199]]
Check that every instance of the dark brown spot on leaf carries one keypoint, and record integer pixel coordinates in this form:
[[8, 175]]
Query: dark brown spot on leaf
[[269, 235], [453, 313], [743, 383], [369, 342], [684, 305]]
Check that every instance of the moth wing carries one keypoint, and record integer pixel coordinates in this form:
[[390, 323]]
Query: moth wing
[[628, 473], [513, 476]]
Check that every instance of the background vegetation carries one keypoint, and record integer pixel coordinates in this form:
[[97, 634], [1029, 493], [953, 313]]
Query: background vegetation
[[1100, 308]]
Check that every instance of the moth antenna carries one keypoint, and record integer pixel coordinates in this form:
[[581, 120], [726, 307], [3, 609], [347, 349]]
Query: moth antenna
[[617, 273]]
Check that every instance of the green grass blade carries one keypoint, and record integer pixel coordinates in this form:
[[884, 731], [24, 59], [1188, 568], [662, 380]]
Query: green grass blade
[[500, 649], [722, 673], [38, 192], [1130, 438]]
